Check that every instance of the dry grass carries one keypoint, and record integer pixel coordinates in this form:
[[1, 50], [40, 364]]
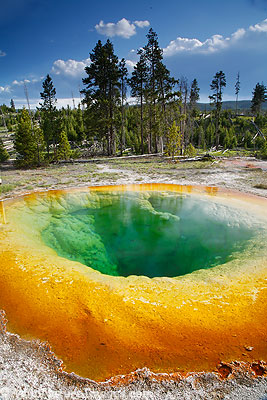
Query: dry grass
[[16, 181]]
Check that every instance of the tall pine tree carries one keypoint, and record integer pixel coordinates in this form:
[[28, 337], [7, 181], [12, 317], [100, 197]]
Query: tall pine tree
[[102, 95], [12, 105], [259, 97], [194, 93], [237, 90], [153, 54], [49, 113], [159, 89], [79, 125], [123, 72], [138, 83], [217, 85], [193, 111]]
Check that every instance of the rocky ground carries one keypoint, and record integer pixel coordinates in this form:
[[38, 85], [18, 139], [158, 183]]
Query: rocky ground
[[28, 370], [244, 174]]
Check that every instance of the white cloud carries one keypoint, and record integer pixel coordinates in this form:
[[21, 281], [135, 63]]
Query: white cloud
[[64, 102], [212, 44], [70, 67], [260, 27], [215, 43], [5, 89], [132, 100], [181, 44], [2, 53], [130, 65], [238, 34], [35, 80], [74, 68], [142, 24], [61, 102], [122, 28], [21, 83], [18, 83]]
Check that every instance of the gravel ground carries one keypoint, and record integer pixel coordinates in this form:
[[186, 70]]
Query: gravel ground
[[29, 370]]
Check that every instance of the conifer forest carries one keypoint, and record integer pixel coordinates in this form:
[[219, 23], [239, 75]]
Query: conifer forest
[[145, 112]]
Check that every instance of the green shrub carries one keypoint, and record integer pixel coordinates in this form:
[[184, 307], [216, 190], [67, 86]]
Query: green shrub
[[263, 151], [6, 187], [3, 153], [190, 151]]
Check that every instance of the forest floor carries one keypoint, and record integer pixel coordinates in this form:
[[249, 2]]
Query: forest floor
[[29, 371]]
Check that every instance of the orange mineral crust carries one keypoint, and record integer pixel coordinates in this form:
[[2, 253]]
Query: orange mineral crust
[[101, 325]]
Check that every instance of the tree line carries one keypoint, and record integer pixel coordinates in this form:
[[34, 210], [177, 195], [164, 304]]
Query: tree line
[[164, 117]]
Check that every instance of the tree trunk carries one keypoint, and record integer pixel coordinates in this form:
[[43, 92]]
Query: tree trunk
[[161, 144], [217, 130], [150, 132], [142, 126]]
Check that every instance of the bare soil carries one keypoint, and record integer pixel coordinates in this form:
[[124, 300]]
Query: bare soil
[[243, 174]]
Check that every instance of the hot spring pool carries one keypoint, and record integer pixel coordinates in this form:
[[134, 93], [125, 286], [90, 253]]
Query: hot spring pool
[[76, 269], [152, 234]]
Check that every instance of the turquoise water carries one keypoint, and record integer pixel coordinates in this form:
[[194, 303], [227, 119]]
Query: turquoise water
[[153, 235]]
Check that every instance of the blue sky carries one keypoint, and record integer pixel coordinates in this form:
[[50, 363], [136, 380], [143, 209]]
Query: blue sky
[[199, 38]]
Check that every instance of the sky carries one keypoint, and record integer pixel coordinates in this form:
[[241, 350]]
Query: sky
[[198, 38]]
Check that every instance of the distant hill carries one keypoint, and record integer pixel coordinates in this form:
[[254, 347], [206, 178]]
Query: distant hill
[[230, 105]]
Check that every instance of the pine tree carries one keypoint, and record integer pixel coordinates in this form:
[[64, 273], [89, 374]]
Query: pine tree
[[217, 85], [194, 93], [49, 113], [237, 89], [190, 151], [153, 54], [79, 125], [102, 93], [12, 105], [159, 90], [259, 97], [183, 110], [70, 124], [166, 95], [123, 72], [25, 142], [3, 153], [63, 150], [192, 110], [38, 136], [138, 84], [174, 141], [201, 137], [210, 132]]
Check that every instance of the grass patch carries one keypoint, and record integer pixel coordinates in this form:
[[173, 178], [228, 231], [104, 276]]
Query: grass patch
[[6, 187], [106, 176], [160, 166], [232, 153]]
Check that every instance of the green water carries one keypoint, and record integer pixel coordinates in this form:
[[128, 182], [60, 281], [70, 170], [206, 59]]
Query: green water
[[153, 235]]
